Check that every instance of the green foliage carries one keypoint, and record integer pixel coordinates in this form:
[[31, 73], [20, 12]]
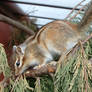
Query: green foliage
[[47, 84], [3, 62], [18, 85], [76, 74]]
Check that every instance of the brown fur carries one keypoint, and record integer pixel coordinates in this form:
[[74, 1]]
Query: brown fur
[[51, 39]]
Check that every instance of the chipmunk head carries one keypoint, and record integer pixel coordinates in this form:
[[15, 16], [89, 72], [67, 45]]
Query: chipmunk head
[[31, 58], [18, 56]]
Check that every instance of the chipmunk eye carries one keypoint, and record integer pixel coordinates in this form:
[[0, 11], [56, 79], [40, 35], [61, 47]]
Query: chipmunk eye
[[17, 63]]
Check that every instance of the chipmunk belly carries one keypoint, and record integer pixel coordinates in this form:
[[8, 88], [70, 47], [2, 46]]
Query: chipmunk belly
[[70, 44]]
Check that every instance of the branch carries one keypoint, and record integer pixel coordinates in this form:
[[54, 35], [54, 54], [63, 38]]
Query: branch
[[16, 24], [46, 69], [77, 12], [74, 9], [87, 18]]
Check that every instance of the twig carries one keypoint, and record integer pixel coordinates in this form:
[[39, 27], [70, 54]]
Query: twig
[[87, 16], [75, 48], [74, 9], [38, 86], [15, 83], [84, 67], [77, 12], [89, 37], [16, 24]]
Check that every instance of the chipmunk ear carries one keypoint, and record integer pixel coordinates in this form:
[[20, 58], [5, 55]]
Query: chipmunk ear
[[17, 49], [14, 48]]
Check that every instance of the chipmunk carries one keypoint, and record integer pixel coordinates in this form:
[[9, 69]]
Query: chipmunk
[[18, 51], [51, 41]]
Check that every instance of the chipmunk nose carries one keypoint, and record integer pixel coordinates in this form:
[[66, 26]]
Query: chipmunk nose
[[17, 63]]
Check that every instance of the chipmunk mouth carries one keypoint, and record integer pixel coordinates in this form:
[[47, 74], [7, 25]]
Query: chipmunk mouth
[[19, 71], [22, 69]]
